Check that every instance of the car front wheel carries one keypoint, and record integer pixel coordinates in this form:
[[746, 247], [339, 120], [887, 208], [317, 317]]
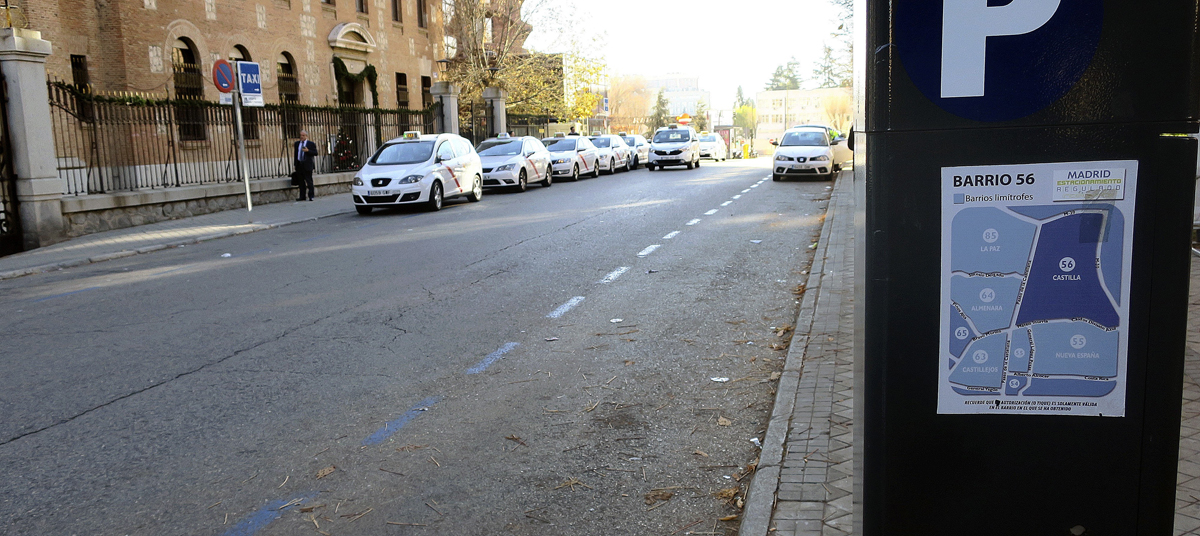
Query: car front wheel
[[549, 180], [476, 192], [364, 210], [435, 197], [522, 181]]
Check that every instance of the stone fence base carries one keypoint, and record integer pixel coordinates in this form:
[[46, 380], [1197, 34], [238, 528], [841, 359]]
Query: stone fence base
[[103, 212]]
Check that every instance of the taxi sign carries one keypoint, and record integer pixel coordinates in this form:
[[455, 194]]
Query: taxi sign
[[223, 76], [560, 135], [249, 83], [503, 135], [412, 134]]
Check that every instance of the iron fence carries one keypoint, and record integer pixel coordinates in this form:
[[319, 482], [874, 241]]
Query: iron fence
[[529, 125], [123, 142]]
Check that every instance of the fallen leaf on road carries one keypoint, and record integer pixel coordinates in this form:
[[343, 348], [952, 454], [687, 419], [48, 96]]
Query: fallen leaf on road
[[729, 518], [775, 376], [516, 439], [722, 421], [700, 453], [326, 472], [727, 493], [572, 483], [655, 496], [628, 362]]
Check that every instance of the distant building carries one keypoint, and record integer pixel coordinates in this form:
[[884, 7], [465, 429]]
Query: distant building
[[784, 109], [683, 93], [169, 46]]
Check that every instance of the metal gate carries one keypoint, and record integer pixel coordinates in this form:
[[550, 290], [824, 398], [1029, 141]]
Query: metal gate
[[475, 121], [10, 220]]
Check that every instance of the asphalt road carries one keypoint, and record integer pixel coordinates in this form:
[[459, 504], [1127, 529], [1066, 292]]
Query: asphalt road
[[537, 363]]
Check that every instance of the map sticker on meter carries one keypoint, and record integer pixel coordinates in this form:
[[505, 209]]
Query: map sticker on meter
[[1035, 288]]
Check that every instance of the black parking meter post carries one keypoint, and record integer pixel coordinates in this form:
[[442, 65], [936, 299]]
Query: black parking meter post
[[1019, 343]]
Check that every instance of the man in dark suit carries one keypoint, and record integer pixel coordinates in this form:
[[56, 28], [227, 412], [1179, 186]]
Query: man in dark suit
[[305, 152]]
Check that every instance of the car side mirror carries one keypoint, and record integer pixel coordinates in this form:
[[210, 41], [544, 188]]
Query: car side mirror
[[773, 142]]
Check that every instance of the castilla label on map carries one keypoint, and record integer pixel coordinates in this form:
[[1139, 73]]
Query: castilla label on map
[[1035, 288]]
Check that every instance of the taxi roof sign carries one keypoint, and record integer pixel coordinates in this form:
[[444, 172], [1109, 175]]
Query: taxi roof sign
[[412, 134], [560, 134], [503, 135]]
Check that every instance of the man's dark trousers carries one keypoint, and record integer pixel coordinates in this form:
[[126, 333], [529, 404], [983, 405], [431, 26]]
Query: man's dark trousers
[[304, 165]]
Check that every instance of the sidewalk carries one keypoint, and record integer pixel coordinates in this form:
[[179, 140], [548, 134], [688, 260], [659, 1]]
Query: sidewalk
[[804, 482], [155, 236]]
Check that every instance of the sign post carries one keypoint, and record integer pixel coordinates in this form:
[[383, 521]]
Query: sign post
[[1023, 264]]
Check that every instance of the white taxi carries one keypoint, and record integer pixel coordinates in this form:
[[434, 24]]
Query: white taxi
[[572, 156], [614, 153], [514, 162], [674, 146], [713, 146], [803, 151], [640, 148], [417, 169]]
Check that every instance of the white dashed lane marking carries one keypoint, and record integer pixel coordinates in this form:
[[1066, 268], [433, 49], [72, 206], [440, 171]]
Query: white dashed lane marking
[[725, 204], [694, 222], [746, 190], [711, 212], [613, 275], [648, 250], [562, 309], [671, 235]]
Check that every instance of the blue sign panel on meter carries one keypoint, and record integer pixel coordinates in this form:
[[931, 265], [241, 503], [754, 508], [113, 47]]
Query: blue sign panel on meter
[[996, 60], [250, 83]]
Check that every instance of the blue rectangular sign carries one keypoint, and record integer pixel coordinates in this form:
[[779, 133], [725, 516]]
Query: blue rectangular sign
[[249, 83]]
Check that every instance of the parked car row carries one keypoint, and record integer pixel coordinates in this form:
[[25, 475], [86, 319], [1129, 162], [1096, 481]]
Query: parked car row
[[418, 169]]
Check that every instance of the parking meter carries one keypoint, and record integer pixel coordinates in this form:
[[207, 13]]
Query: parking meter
[[1025, 188]]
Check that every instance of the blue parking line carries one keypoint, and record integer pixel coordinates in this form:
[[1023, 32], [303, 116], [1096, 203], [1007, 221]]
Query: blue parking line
[[259, 519], [396, 424], [492, 357], [316, 238], [65, 294]]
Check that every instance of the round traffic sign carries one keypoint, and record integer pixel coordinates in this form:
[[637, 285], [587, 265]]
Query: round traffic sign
[[223, 76]]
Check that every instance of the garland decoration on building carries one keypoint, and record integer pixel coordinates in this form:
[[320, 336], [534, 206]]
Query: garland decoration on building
[[368, 73]]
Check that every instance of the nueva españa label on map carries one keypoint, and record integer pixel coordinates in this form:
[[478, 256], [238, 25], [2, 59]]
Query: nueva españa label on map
[[1035, 288]]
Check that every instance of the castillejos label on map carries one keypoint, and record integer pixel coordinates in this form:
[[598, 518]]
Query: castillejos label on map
[[1035, 288]]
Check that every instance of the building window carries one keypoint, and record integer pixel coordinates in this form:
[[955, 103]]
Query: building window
[[396, 6], [329, 2], [422, 14], [249, 114], [79, 77], [426, 94], [189, 85], [360, 6], [401, 90], [289, 93]]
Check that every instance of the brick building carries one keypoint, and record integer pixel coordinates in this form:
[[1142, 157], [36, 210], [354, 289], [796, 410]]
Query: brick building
[[169, 46]]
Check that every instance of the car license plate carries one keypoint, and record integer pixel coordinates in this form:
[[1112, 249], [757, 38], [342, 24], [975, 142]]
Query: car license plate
[[798, 166], [377, 192]]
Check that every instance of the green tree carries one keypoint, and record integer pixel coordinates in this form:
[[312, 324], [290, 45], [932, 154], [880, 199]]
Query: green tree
[[827, 72], [785, 77], [739, 100], [661, 116], [746, 117], [700, 122], [844, 57]]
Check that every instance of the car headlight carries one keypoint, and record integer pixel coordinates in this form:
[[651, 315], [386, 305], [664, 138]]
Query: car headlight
[[358, 181], [821, 158], [506, 167], [561, 160], [410, 179], [781, 157]]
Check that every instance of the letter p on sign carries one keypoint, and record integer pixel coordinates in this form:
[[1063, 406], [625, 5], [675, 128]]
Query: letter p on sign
[[966, 25]]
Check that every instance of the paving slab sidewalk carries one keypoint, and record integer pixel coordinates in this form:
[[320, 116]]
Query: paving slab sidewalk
[[119, 243], [803, 486]]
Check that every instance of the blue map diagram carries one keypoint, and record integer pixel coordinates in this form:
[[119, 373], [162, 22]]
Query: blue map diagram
[[1035, 300]]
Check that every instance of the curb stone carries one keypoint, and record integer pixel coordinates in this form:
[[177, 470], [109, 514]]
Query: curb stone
[[760, 497]]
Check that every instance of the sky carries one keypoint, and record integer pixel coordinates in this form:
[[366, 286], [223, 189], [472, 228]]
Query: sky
[[725, 43]]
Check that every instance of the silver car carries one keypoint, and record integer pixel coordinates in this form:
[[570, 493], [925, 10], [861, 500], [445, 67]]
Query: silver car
[[641, 149], [514, 162]]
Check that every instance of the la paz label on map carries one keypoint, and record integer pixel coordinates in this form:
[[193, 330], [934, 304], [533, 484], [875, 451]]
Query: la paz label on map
[[1035, 288]]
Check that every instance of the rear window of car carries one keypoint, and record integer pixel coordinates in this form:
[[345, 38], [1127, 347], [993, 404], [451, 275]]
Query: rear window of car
[[630, 140], [667, 136], [600, 142], [710, 137], [409, 152], [559, 144]]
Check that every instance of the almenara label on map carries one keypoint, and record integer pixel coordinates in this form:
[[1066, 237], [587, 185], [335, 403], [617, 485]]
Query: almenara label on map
[[1035, 288]]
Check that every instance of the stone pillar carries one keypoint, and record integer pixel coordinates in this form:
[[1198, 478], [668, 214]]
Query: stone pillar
[[495, 96], [30, 136], [447, 94]]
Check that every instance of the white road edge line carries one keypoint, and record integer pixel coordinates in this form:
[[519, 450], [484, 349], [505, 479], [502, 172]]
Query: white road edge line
[[649, 249], [613, 275], [671, 235], [725, 204], [693, 222], [562, 309], [711, 212]]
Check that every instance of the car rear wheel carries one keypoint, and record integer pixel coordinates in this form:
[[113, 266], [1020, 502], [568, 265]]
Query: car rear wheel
[[612, 166], [549, 180], [435, 197], [596, 168], [635, 163], [364, 210], [575, 173], [521, 181], [477, 191], [690, 165]]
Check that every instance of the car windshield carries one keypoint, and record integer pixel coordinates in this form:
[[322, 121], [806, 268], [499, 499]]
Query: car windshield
[[600, 142], [406, 152], [500, 148], [809, 138], [630, 140], [710, 137], [555, 145], [668, 136]]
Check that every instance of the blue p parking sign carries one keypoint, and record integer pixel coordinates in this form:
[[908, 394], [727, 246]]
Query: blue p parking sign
[[250, 83], [989, 60]]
